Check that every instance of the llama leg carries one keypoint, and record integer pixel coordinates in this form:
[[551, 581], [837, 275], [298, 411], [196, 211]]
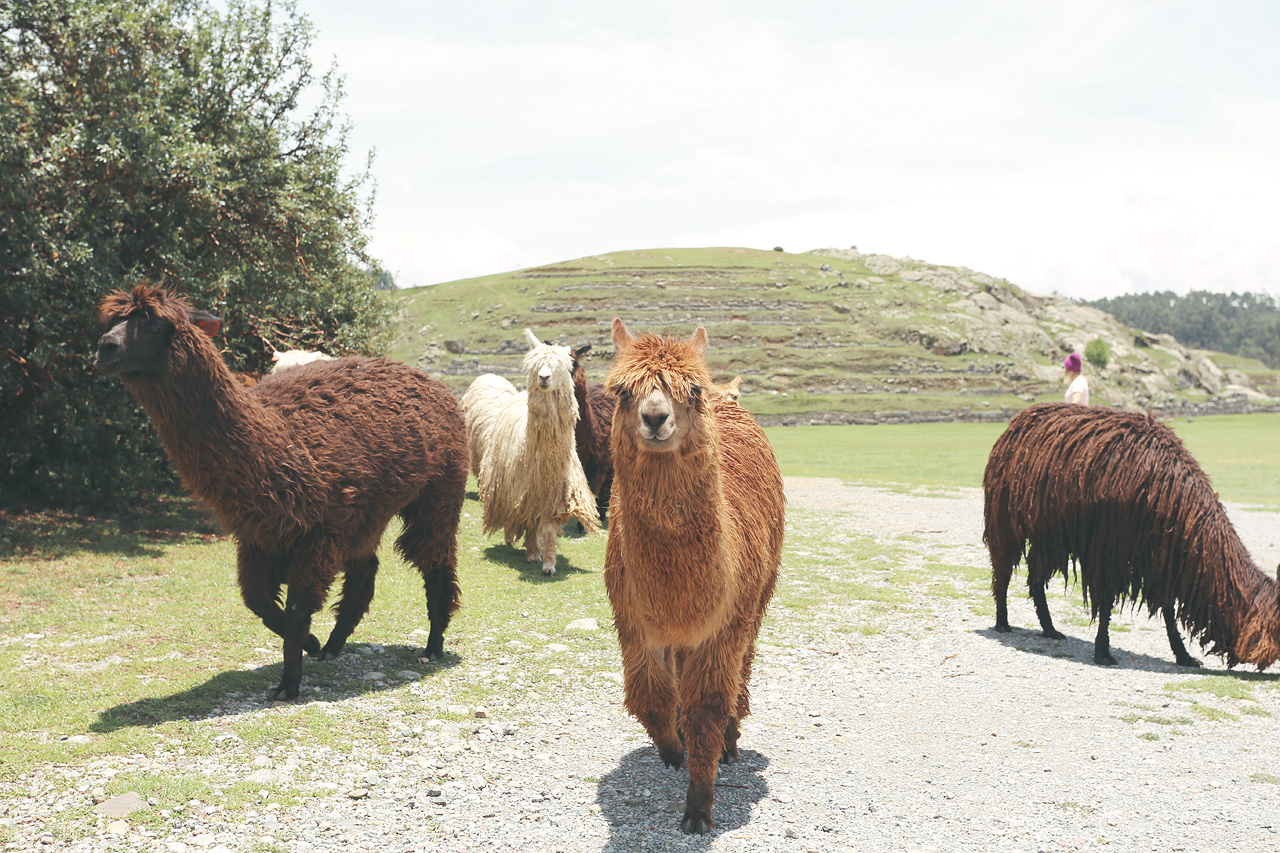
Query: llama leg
[[1038, 575], [1102, 642], [1175, 639], [707, 689], [357, 592], [1001, 572], [649, 689], [548, 543], [260, 575], [430, 542], [531, 552], [300, 604]]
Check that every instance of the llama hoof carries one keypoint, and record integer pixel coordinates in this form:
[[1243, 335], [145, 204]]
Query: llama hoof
[[283, 692], [311, 646], [672, 756], [1054, 634], [329, 654], [696, 822], [1104, 659], [434, 650], [1188, 661], [1003, 629], [729, 755], [549, 570]]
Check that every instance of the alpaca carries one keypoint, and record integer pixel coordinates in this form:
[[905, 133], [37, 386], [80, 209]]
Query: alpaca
[[1119, 494], [695, 540], [531, 481], [595, 423], [732, 389], [296, 358], [305, 469]]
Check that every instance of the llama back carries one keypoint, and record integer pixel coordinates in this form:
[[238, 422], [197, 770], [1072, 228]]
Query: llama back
[[483, 403]]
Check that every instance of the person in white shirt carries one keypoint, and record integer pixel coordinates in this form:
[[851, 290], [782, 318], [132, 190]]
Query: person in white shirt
[[1078, 386]]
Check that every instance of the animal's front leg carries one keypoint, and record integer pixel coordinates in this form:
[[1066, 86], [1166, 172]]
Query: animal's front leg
[[548, 543], [708, 687], [260, 575], [531, 552], [299, 606]]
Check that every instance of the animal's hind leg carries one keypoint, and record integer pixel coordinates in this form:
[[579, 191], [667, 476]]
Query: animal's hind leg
[[1038, 575], [1175, 639], [1102, 642], [1001, 571], [430, 541], [260, 574], [357, 592], [547, 539]]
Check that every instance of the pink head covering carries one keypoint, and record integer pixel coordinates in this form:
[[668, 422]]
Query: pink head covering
[[1073, 363]]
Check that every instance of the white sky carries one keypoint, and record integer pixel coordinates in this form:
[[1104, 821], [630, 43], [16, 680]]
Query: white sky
[[1088, 148]]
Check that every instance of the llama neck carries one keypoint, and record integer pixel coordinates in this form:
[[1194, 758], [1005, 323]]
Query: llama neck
[[1255, 619], [230, 450], [671, 490], [585, 426]]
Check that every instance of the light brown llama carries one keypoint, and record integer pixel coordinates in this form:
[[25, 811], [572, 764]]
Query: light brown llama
[[306, 468], [695, 538]]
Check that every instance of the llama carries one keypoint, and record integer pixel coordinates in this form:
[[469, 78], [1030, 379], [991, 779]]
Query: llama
[[296, 358], [595, 423], [305, 469], [531, 481], [732, 389], [1119, 494], [695, 540]]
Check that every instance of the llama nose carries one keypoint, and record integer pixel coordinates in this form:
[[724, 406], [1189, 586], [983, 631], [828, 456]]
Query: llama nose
[[108, 351], [654, 422]]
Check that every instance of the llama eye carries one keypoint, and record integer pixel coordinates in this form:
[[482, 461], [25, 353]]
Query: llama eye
[[695, 391], [624, 394]]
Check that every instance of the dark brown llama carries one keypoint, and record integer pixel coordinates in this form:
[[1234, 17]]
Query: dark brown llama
[[305, 469], [595, 424], [695, 539], [1119, 494]]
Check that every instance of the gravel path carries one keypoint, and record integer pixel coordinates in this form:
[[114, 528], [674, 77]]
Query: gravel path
[[927, 732]]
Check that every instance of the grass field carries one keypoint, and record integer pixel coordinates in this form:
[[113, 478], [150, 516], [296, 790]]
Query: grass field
[[127, 636]]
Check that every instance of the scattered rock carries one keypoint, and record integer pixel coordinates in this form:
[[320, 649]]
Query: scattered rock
[[583, 625]]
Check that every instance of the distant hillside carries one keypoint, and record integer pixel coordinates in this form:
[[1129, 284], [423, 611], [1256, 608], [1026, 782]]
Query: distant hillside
[[829, 331]]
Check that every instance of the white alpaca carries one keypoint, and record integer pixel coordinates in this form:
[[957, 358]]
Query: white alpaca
[[523, 452], [296, 358]]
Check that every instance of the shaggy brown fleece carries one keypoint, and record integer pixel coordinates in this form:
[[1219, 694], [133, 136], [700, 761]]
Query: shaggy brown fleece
[[305, 469], [695, 539], [595, 425], [1119, 494]]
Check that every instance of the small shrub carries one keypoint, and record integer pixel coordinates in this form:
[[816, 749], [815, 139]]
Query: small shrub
[[1098, 353], [777, 248]]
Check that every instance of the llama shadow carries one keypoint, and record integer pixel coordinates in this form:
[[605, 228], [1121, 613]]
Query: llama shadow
[[243, 691], [512, 557], [653, 821], [1032, 641]]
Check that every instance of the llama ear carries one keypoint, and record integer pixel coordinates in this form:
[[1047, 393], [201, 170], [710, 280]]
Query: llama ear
[[700, 339], [208, 323], [621, 337], [581, 351], [532, 338]]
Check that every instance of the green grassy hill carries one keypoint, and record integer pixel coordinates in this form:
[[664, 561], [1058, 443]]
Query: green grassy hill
[[831, 331]]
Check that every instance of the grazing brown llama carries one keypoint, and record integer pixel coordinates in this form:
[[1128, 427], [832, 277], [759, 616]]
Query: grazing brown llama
[[305, 469], [1119, 494], [695, 539], [595, 424]]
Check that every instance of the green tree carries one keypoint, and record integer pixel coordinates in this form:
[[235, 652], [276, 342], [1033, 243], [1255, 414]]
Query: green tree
[[1097, 353], [162, 140]]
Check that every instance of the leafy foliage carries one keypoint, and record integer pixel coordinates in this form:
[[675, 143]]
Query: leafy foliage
[[162, 140], [1244, 324], [1098, 353]]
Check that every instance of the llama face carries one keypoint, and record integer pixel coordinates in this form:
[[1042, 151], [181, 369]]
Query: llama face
[[662, 422], [547, 367], [659, 383], [136, 344]]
